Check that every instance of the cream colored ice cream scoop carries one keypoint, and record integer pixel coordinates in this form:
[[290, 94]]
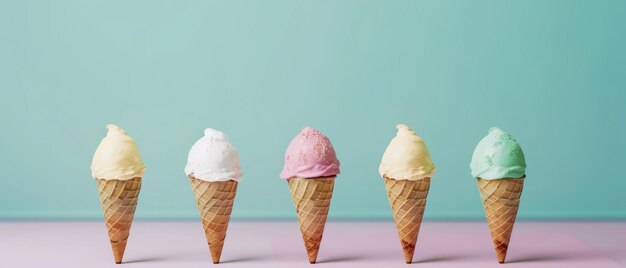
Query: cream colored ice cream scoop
[[117, 157], [406, 157]]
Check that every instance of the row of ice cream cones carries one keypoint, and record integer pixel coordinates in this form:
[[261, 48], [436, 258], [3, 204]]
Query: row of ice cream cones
[[310, 169]]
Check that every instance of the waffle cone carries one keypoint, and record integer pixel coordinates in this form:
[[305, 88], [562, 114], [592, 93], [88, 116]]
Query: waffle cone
[[215, 203], [501, 201], [408, 201], [311, 197], [119, 200]]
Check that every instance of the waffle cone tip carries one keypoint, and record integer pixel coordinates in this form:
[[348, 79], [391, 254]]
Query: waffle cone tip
[[501, 252], [118, 250], [408, 248], [216, 252], [312, 253]]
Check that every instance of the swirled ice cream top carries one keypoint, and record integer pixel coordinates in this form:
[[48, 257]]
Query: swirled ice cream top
[[213, 158], [117, 157], [406, 157]]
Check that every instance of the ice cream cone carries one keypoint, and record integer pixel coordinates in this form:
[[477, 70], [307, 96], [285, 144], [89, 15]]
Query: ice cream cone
[[501, 201], [408, 200], [119, 200], [311, 197], [215, 202]]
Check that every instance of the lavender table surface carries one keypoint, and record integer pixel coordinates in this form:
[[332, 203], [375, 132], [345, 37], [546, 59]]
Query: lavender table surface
[[345, 244]]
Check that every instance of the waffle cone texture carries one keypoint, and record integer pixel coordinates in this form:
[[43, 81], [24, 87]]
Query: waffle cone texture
[[408, 201], [311, 197], [119, 201], [501, 201], [215, 203]]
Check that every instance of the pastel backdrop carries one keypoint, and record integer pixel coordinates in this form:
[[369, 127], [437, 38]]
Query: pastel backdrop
[[552, 73]]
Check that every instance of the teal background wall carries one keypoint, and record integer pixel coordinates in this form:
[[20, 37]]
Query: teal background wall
[[552, 73]]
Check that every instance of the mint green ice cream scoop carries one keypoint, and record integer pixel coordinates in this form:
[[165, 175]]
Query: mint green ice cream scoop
[[498, 156]]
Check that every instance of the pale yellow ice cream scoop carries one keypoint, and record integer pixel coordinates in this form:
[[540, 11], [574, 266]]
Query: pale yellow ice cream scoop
[[117, 157], [406, 157]]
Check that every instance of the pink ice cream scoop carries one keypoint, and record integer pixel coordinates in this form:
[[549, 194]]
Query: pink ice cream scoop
[[310, 155]]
